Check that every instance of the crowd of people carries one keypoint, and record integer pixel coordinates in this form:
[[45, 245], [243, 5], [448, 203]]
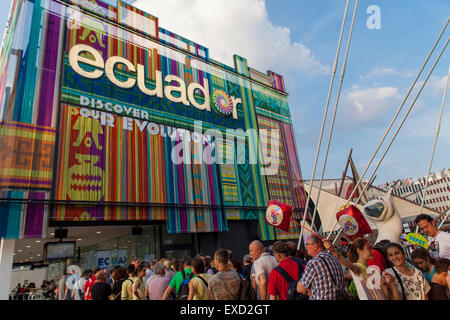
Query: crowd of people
[[30, 292], [358, 270]]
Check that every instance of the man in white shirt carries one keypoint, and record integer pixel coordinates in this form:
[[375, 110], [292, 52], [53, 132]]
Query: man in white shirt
[[439, 246], [78, 288], [263, 265]]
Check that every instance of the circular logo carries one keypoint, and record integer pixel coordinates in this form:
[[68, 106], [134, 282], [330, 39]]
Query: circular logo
[[274, 215], [348, 224], [222, 103]]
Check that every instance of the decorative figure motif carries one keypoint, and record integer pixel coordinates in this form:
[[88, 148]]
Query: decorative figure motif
[[85, 176]]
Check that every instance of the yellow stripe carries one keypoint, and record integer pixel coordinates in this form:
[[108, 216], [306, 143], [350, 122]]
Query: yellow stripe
[[24, 173], [29, 134]]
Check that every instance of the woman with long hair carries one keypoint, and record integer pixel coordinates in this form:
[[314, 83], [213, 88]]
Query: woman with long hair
[[119, 275], [402, 282], [424, 262], [366, 279]]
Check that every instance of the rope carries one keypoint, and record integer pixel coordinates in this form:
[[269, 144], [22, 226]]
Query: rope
[[435, 141], [395, 117], [333, 73], [400, 108], [335, 112], [405, 117], [400, 126]]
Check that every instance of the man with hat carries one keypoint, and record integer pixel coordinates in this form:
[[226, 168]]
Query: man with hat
[[287, 268]]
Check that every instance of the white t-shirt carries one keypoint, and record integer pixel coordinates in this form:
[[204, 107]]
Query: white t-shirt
[[263, 265], [416, 286], [79, 287], [440, 245]]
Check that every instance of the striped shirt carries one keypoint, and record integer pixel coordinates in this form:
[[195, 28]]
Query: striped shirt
[[317, 278]]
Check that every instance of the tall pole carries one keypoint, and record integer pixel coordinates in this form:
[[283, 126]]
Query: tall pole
[[438, 128], [333, 73], [344, 173], [341, 80]]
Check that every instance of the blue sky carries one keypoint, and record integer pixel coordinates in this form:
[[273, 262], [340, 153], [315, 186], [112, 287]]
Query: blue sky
[[298, 39]]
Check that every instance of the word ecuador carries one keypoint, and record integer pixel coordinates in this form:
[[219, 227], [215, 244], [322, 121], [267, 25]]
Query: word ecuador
[[184, 94]]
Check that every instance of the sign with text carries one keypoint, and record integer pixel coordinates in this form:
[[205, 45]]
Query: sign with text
[[109, 259]]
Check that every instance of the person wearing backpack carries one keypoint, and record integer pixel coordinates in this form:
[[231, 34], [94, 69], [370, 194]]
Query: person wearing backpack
[[139, 285], [283, 278], [180, 281], [127, 285], [198, 287]]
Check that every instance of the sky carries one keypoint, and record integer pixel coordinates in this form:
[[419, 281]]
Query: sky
[[298, 39]]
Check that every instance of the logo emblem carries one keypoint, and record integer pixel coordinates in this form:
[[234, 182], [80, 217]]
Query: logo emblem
[[274, 215], [222, 103], [348, 224]]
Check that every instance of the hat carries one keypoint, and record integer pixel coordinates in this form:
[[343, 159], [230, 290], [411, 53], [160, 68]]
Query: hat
[[281, 247]]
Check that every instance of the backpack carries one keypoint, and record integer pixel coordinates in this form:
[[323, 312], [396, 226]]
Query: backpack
[[128, 293], [292, 293], [183, 290], [246, 291]]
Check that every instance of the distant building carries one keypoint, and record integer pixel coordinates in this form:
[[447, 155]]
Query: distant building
[[333, 196], [437, 193]]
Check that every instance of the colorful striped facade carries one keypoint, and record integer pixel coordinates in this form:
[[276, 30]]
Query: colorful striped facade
[[77, 149]]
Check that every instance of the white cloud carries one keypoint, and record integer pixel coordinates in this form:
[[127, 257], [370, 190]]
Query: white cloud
[[437, 86], [384, 71], [236, 27], [369, 105]]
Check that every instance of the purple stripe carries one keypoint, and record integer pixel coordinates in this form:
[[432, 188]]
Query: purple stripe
[[23, 125], [212, 194], [48, 77], [182, 195], [200, 78], [26, 181], [35, 216], [174, 69]]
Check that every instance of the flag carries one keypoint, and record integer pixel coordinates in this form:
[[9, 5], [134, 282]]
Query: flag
[[278, 215], [352, 222]]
